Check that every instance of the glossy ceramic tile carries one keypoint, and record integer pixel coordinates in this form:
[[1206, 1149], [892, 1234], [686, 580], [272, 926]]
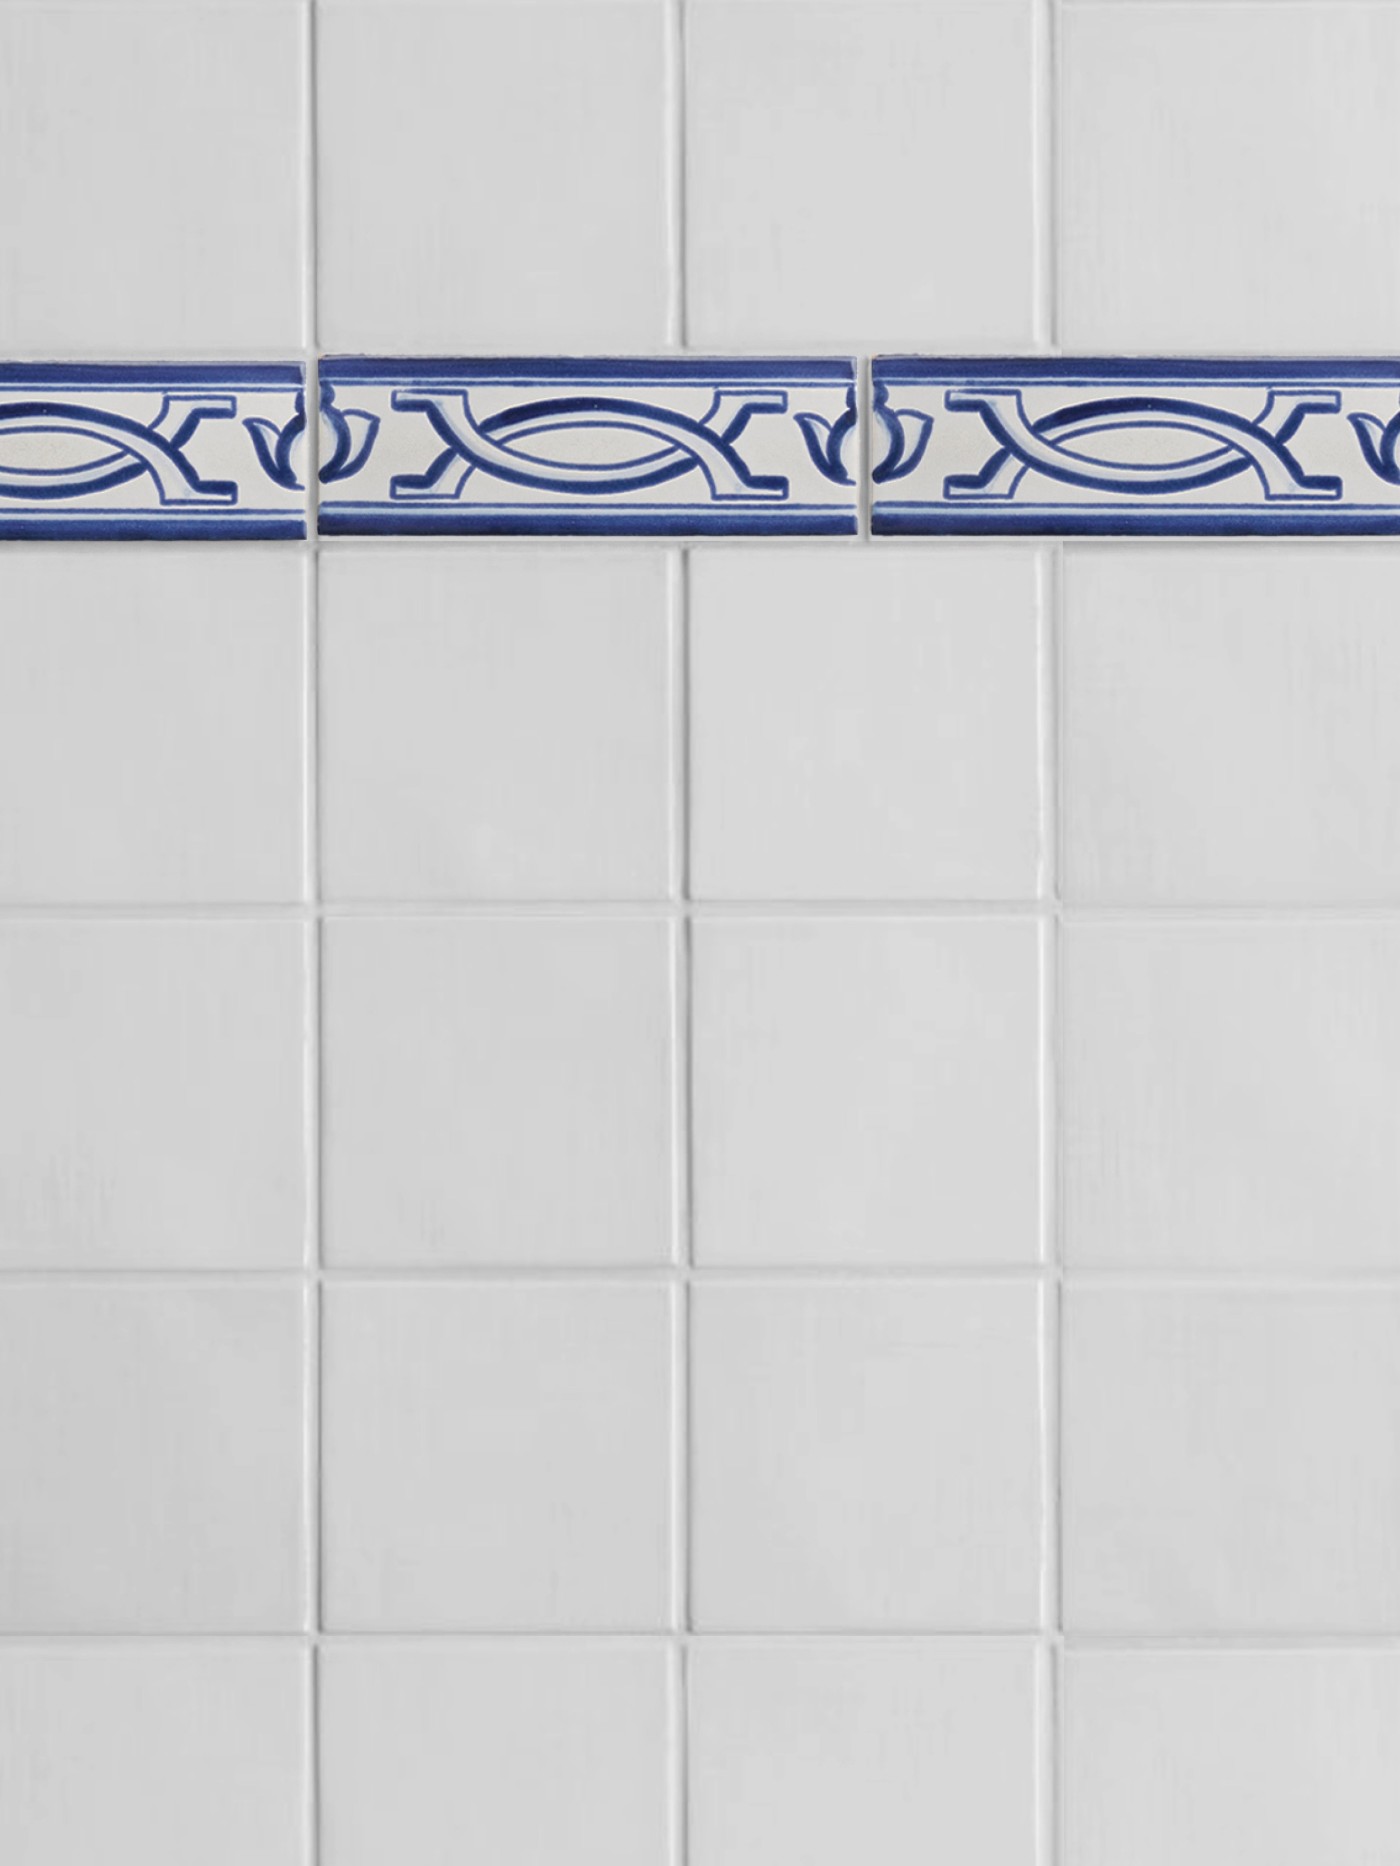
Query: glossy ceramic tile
[[1189, 218], [1123, 445], [1225, 726], [151, 1095], [152, 715], [497, 1091], [668, 446], [153, 197], [496, 726], [156, 1751], [1230, 1094], [931, 1029], [864, 724], [498, 1456], [843, 185], [539, 218], [682, 1180], [839, 1482], [518, 1752], [151, 1457], [160, 450], [1230, 1758], [829, 1750], [1231, 1461]]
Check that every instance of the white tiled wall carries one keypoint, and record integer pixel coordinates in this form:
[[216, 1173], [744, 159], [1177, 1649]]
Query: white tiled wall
[[736, 1206]]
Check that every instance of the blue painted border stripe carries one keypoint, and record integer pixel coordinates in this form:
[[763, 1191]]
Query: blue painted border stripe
[[817, 521], [933, 371], [903, 520], [150, 526], [525, 370], [130, 376]]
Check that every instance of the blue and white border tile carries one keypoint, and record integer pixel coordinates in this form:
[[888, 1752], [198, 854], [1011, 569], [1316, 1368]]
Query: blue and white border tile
[[673, 446], [1128, 446], [160, 450]]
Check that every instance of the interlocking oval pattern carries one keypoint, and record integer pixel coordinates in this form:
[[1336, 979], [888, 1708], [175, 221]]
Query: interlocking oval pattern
[[1191, 445], [1055, 444], [670, 444], [124, 450], [1304, 440]]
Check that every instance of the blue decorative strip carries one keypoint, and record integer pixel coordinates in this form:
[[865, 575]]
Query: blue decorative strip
[[1130, 447], [631, 369], [340, 521], [626, 446], [149, 526], [147, 450], [159, 375]]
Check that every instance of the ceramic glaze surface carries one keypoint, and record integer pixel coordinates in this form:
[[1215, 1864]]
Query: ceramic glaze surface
[[699, 933]]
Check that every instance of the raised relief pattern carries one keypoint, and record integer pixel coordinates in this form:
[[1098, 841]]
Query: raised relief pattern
[[672, 446], [145, 451], [1122, 445]]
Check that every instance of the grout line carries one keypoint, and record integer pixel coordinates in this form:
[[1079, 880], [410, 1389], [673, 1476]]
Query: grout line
[[314, 1000], [1343, 1281], [1046, 212], [682, 1001], [663, 907], [864, 403], [1212, 914], [683, 1147], [677, 318], [1051, 634], [1136, 1643]]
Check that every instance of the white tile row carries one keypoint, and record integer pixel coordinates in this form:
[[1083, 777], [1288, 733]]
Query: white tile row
[[862, 1457], [865, 1094], [527, 1752], [1119, 152], [865, 726]]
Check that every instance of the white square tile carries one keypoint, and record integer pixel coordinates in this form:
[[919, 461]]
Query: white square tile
[[866, 1091], [1231, 1095], [1231, 1461], [1231, 1758], [150, 1458], [866, 1457], [157, 1753], [1228, 724], [160, 152], [1189, 217], [831, 1752], [515, 1753], [497, 1456], [864, 724], [151, 1094], [497, 1091], [527, 209], [495, 725], [150, 724], [816, 137]]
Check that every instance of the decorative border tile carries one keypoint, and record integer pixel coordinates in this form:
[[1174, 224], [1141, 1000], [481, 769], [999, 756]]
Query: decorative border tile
[[674, 446], [161, 450], [1126, 446]]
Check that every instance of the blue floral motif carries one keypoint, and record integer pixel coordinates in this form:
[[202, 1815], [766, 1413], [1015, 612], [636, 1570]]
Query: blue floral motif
[[826, 441], [1380, 443], [349, 434], [907, 431]]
